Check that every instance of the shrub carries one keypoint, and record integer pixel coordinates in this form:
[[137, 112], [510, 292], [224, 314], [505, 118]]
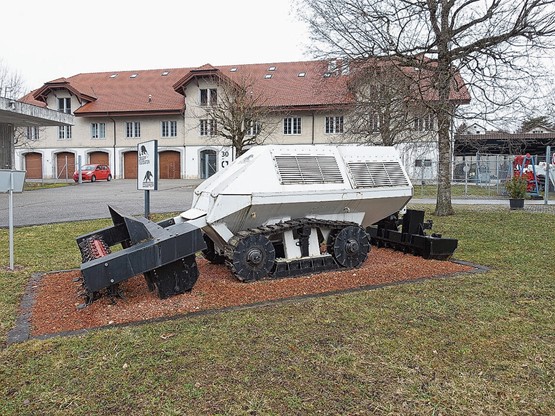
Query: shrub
[[516, 187]]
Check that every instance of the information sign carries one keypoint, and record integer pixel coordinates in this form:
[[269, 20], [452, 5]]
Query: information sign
[[147, 169]]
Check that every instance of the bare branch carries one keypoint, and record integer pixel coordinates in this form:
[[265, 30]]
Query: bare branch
[[489, 42]]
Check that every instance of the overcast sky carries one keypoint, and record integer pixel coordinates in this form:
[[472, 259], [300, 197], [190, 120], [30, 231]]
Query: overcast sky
[[44, 40]]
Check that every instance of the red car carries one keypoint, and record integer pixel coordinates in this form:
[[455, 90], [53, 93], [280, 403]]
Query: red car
[[93, 173]]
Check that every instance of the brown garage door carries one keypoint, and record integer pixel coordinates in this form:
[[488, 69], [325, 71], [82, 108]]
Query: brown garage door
[[170, 166], [33, 166], [130, 165], [65, 165], [100, 158]]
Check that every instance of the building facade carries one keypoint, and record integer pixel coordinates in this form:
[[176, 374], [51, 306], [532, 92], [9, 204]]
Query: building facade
[[308, 103]]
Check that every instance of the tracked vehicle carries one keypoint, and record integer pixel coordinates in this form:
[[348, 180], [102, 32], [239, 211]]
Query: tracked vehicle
[[276, 211]]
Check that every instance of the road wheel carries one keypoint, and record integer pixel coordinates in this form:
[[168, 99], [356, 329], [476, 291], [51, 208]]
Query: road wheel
[[109, 178], [93, 178], [253, 258], [351, 246]]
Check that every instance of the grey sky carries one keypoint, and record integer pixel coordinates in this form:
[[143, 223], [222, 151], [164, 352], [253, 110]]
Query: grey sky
[[45, 40]]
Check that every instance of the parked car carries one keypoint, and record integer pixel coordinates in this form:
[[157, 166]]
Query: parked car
[[93, 173]]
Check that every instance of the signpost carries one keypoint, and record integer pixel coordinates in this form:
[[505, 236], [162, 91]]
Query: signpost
[[147, 170], [11, 181], [547, 184]]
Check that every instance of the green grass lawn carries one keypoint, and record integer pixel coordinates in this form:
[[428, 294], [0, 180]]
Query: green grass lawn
[[480, 344], [32, 186], [457, 191], [469, 191]]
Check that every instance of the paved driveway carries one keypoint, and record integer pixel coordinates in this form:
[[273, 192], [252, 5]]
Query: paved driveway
[[91, 200]]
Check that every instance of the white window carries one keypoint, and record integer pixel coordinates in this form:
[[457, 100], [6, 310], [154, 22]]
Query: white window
[[169, 128], [334, 125], [424, 123], [253, 128], [208, 97], [64, 105], [64, 132], [133, 129], [423, 163], [374, 122], [32, 133], [98, 130], [208, 127], [292, 125]]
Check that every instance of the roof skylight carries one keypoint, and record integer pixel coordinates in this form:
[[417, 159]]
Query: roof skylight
[[268, 76], [133, 76], [272, 68], [302, 74], [233, 69], [165, 73], [113, 75]]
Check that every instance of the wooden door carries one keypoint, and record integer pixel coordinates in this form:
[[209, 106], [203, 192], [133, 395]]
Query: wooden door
[[33, 165], [130, 165]]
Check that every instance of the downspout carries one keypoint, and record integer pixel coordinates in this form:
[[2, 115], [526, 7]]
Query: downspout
[[114, 146], [313, 116]]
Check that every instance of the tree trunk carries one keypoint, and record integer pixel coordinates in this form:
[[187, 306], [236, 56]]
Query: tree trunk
[[443, 202], [443, 84]]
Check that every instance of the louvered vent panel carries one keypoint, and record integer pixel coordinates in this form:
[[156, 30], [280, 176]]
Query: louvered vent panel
[[376, 174], [298, 169]]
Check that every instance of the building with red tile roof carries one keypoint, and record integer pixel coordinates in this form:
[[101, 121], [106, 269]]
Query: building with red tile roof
[[115, 111]]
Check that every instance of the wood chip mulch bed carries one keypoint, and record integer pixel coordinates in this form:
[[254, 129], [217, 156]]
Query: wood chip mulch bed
[[54, 309]]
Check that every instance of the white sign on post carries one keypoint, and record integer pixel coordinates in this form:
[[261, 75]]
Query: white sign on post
[[147, 169], [11, 181]]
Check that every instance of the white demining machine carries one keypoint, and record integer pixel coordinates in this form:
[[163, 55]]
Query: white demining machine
[[276, 211]]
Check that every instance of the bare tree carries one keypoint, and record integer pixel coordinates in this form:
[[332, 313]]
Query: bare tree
[[380, 113], [240, 114], [387, 109], [533, 122], [490, 41], [11, 82], [11, 86]]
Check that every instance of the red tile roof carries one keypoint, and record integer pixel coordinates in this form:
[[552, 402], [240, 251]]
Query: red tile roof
[[301, 85]]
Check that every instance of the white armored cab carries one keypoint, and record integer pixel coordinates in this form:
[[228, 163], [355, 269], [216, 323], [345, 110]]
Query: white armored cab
[[276, 211], [288, 210]]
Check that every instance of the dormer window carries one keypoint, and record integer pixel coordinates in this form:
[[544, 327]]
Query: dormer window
[[64, 105], [208, 97]]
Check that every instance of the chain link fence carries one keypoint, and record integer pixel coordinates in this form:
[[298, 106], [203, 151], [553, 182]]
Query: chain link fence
[[480, 175]]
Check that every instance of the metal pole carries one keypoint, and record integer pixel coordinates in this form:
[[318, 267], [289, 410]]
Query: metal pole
[[80, 179], [547, 181], [497, 174], [147, 204], [10, 215]]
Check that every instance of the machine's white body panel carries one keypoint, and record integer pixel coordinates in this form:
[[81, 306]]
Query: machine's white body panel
[[362, 184]]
